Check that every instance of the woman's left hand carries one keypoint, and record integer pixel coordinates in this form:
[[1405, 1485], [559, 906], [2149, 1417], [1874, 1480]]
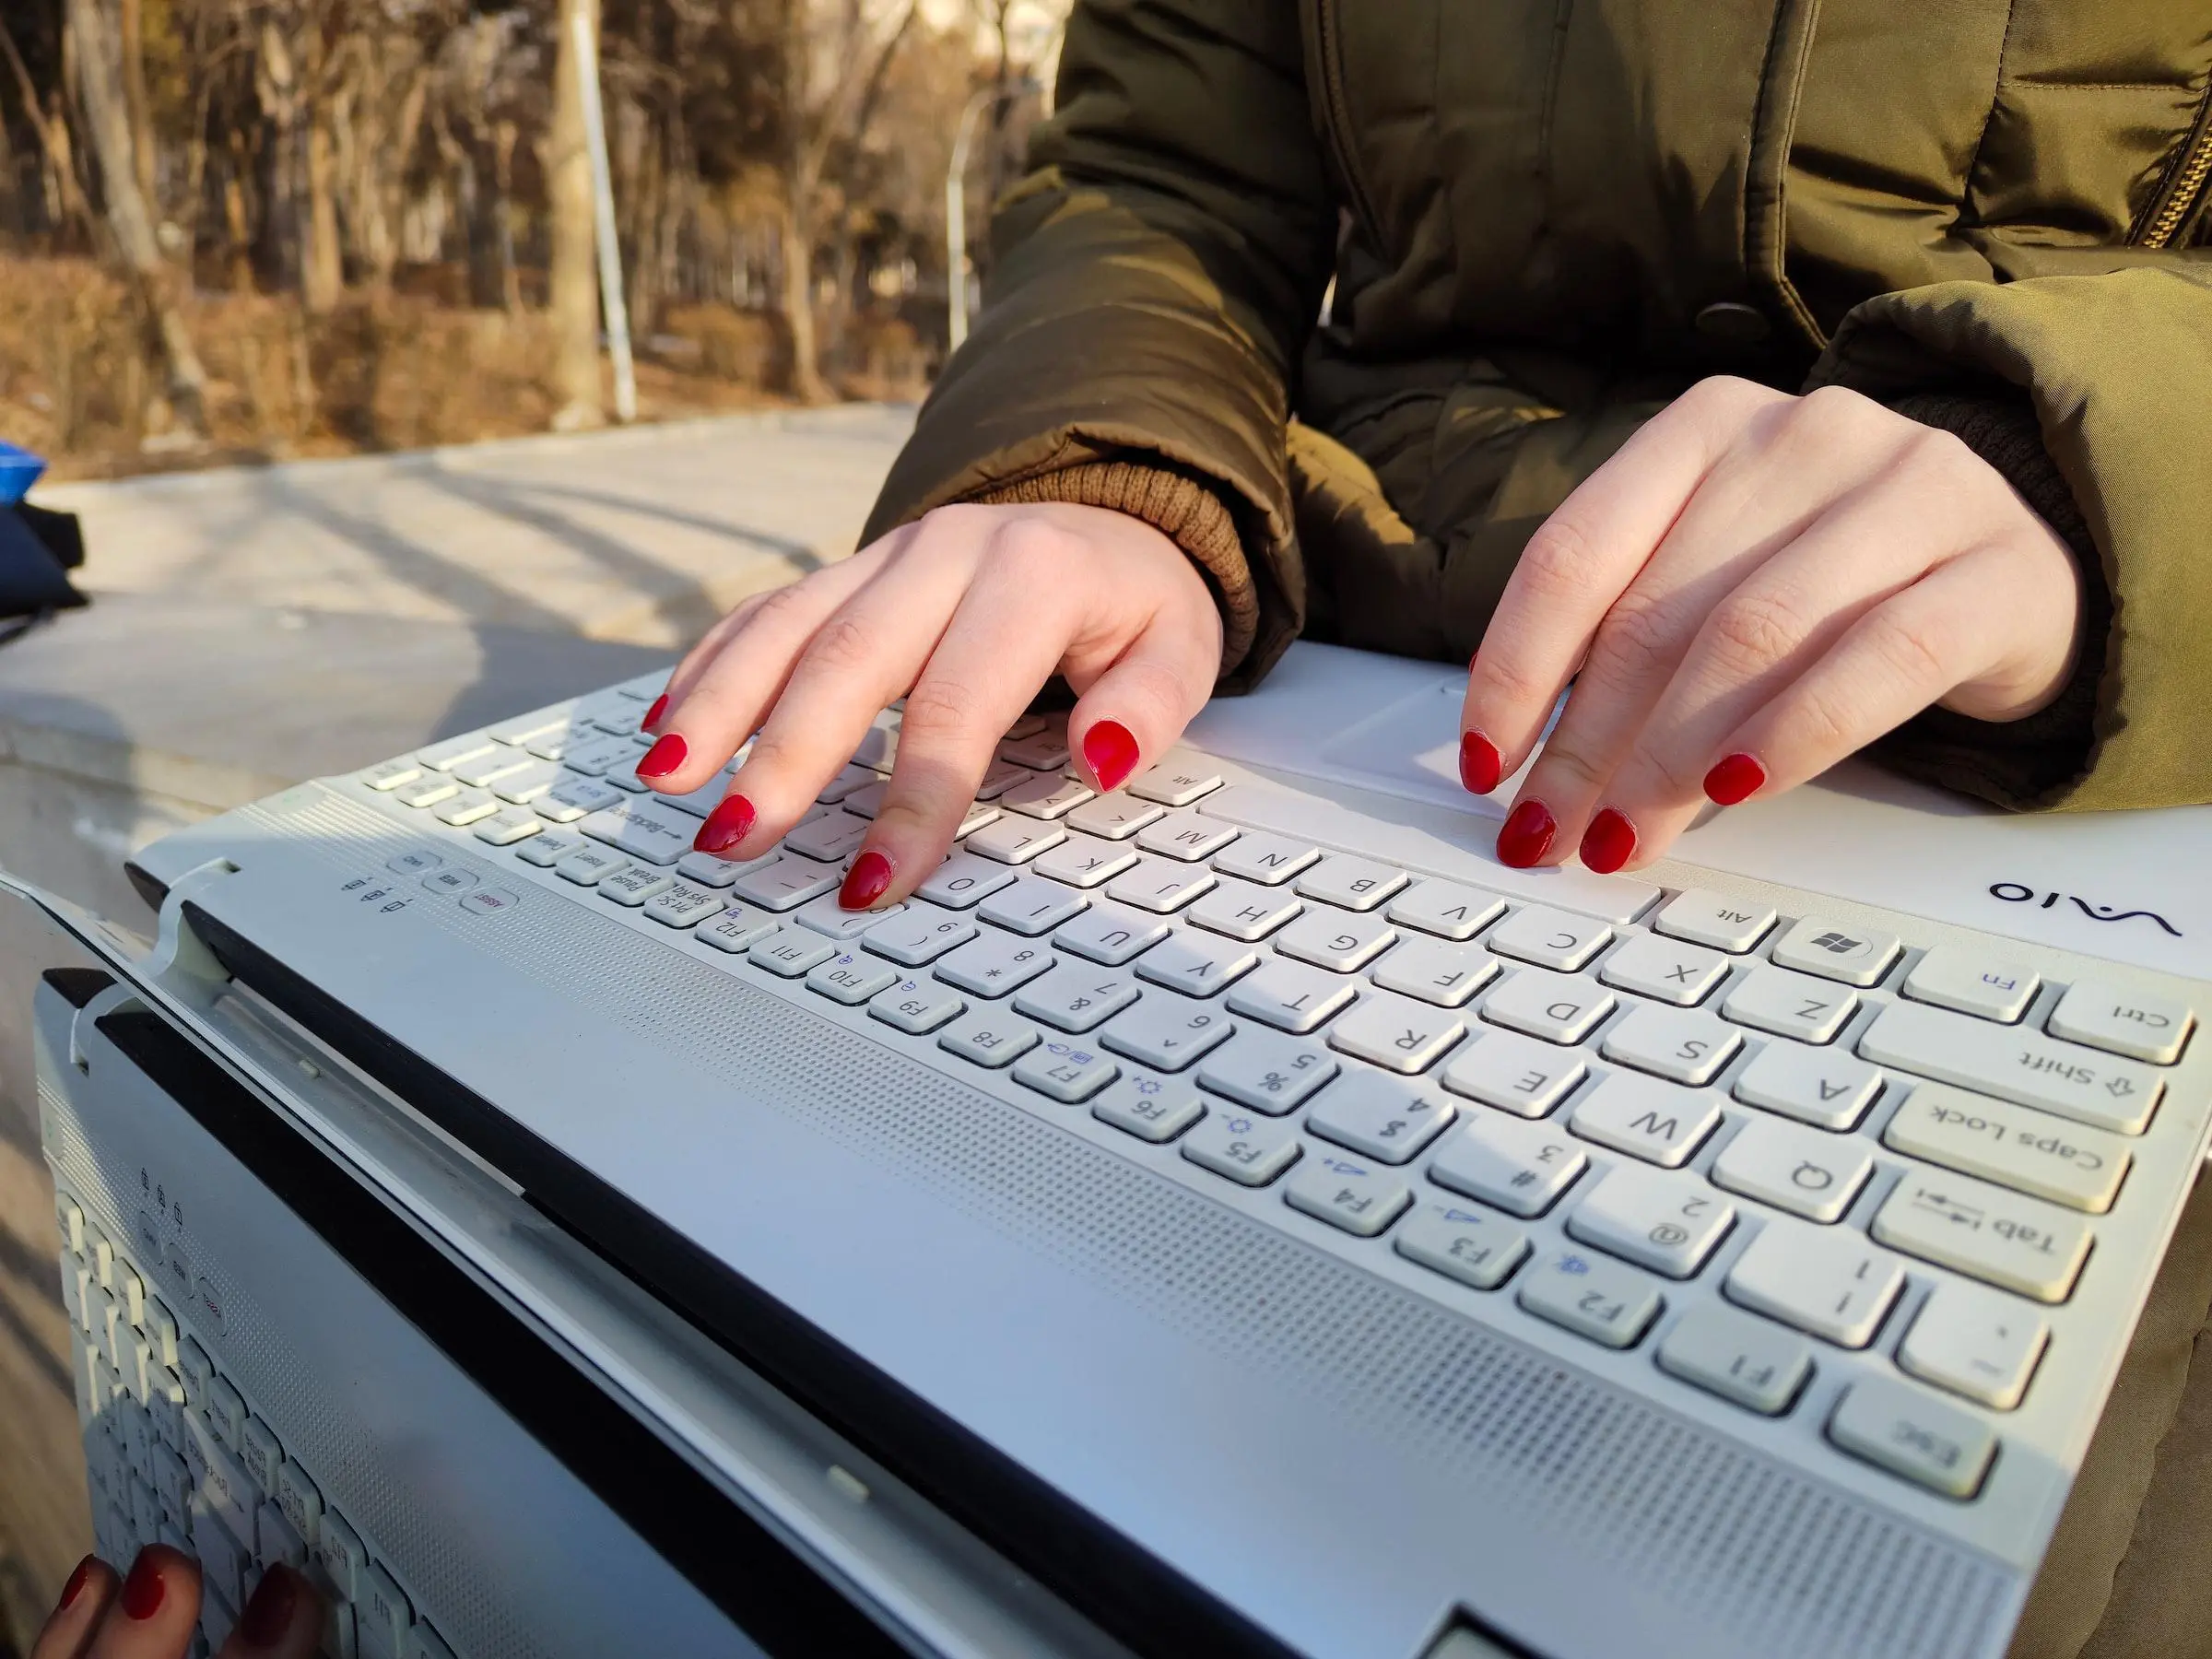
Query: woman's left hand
[[1755, 586]]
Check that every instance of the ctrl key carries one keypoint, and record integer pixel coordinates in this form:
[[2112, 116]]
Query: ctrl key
[[1908, 1434]]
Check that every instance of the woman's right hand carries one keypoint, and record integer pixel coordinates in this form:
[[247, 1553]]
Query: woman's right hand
[[965, 613], [153, 1612]]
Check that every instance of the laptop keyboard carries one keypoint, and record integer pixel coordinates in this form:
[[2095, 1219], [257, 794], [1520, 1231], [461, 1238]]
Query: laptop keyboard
[[175, 1455], [1581, 1117]]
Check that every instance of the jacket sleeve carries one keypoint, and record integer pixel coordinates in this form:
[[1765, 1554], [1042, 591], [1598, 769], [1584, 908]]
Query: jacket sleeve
[[2117, 366], [1153, 280]]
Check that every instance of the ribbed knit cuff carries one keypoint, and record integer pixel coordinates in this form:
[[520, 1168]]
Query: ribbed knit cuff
[[1177, 504], [2013, 762]]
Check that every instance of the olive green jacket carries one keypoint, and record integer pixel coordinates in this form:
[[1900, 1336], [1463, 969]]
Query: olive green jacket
[[1543, 219]]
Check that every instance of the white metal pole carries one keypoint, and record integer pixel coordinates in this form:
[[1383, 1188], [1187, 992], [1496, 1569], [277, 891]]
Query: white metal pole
[[956, 220], [603, 205]]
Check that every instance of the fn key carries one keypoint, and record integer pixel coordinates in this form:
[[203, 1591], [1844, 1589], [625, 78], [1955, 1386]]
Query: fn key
[[1910, 1434]]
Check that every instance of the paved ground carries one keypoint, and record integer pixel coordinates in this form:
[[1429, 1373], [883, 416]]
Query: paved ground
[[642, 535]]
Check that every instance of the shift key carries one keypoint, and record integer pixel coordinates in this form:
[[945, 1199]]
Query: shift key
[[1986, 1232], [2016, 1066]]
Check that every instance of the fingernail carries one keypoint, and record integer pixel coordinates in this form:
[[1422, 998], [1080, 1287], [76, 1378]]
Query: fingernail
[[652, 715], [144, 1590], [1527, 836], [1110, 753], [268, 1612], [1734, 778], [726, 826], [78, 1581], [865, 881], [664, 757], [1609, 842], [1478, 763]]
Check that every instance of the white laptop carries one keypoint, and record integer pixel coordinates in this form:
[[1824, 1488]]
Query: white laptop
[[1268, 1223]]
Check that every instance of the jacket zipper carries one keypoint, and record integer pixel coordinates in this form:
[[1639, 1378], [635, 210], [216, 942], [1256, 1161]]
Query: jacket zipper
[[1335, 111], [2185, 185]]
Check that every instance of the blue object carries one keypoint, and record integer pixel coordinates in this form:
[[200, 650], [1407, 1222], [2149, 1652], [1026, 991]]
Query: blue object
[[19, 469]]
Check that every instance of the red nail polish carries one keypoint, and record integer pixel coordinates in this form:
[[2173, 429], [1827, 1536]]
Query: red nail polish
[[1527, 836], [1734, 778], [664, 757], [1479, 765], [1111, 752], [865, 881], [143, 1591], [78, 1581], [726, 826], [652, 715], [268, 1612], [1609, 842]]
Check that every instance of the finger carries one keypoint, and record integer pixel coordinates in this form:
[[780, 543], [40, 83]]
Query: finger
[[84, 1599], [153, 1615], [859, 660], [1136, 708], [1748, 646], [708, 720], [283, 1620], [693, 664], [1580, 560], [1003, 642], [1901, 657]]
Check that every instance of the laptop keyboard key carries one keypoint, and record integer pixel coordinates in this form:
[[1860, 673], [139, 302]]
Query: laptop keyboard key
[[1985, 1232], [918, 935], [1160, 885], [850, 977], [1291, 997], [1266, 1072], [1513, 1073], [2120, 1022], [1544, 938], [1657, 1122], [1077, 996], [994, 965], [989, 1037], [1361, 1199], [964, 880], [1521, 1168], [1909, 1432], [1066, 1072], [1433, 971], [1085, 861], [784, 884], [1353, 884], [1269, 860], [1149, 1106], [1250, 1149], [1668, 1223], [1469, 1245], [1826, 1280], [1738, 1358], [1031, 907], [1378, 1116], [1197, 964], [1678, 1044], [1789, 1005], [1332, 939], [1167, 1032], [1796, 1169], [1559, 1008], [1982, 1343], [1591, 1296], [1823, 1086], [1397, 1033], [1853, 956], [916, 1005], [791, 953], [1708, 918]]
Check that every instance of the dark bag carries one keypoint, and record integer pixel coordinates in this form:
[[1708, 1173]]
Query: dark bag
[[39, 547]]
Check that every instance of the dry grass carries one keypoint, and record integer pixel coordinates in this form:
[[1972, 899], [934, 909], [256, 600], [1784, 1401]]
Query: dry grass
[[399, 370]]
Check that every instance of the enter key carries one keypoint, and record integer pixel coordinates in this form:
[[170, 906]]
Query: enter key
[[2017, 1147]]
